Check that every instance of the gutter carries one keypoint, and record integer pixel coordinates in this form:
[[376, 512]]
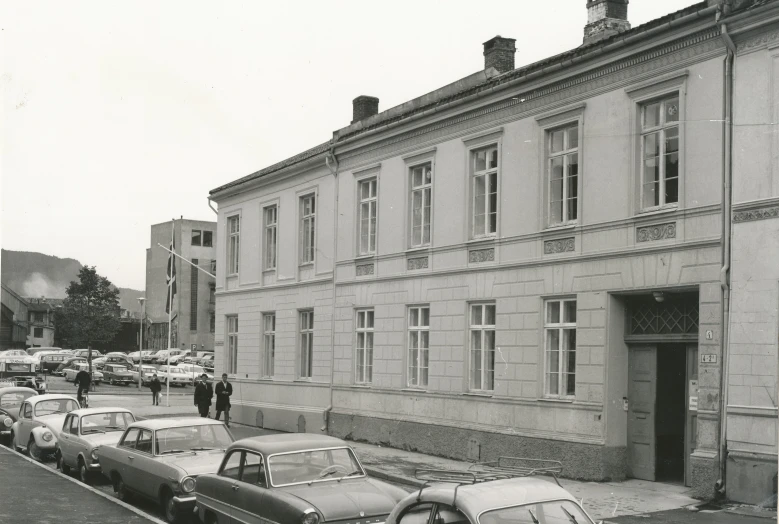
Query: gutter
[[334, 170], [211, 206]]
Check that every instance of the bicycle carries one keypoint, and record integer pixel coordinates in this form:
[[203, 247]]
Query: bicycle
[[84, 399]]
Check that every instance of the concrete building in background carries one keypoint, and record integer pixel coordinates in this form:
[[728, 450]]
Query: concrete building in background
[[531, 262], [41, 321], [193, 302]]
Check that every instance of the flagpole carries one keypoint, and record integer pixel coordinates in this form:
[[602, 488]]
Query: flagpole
[[170, 311]]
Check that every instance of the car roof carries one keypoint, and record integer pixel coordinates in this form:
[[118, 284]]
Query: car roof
[[16, 389], [50, 396], [164, 423], [271, 444], [92, 411]]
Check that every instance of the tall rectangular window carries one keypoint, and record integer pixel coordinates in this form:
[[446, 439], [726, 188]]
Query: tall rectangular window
[[208, 238], [560, 348], [366, 235], [660, 152], [271, 228], [232, 344], [563, 174], [307, 228], [482, 328], [269, 342], [420, 205], [306, 343], [364, 346], [418, 346], [484, 191], [234, 244], [193, 276], [196, 236]]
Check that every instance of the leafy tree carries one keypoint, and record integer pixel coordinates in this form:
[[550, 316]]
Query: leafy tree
[[90, 313]]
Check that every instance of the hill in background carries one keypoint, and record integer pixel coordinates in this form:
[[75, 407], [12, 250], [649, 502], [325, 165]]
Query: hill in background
[[37, 275]]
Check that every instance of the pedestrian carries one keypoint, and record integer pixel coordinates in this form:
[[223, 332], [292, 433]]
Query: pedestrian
[[223, 391], [155, 387], [203, 395], [83, 380]]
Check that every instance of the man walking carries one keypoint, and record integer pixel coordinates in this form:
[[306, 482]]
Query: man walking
[[223, 391], [83, 380], [155, 387], [203, 395]]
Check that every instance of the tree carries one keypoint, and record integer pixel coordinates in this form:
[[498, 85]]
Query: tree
[[90, 313]]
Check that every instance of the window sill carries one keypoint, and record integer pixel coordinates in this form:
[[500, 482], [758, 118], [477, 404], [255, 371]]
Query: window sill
[[364, 258], [266, 379], [557, 400], [307, 380], [271, 270], [414, 390], [306, 264], [484, 394], [482, 240], [360, 386], [657, 210], [418, 250], [232, 276], [561, 227]]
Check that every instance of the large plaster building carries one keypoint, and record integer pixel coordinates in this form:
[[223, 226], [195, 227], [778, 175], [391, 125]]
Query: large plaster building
[[553, 261]]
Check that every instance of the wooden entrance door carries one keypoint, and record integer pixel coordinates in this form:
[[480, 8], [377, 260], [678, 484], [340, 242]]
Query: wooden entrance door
[[642, 386]]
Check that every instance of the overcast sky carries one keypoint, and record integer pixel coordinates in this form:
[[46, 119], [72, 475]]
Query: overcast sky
[[119, 115]]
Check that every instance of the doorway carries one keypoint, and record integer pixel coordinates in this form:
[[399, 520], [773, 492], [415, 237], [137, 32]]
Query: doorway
[[671, 411]]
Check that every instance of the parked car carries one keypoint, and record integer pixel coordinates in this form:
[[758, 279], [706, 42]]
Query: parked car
[[160, 459], [175, 359], [85, 352], [117, 374], [35, 350], [136, 356], [161, 357], [33, 382], [84, 432], [49, 363], [175, 375], [116, 358], [99, 362], [67, 364], [207, 362], [71, 372], [293, 478], [39, 424], [194, 372], [490, 494], [148, 374], [11, 399], [14, 353]]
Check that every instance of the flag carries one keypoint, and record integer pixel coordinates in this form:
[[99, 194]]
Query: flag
[[171, 276]]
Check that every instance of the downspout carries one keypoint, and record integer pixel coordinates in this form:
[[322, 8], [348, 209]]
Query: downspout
[[727, 177], [211, 206], [334, 170]]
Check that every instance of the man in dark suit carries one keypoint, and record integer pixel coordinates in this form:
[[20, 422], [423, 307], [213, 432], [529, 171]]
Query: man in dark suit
[[203, 395], [155, 387], [223, 391]]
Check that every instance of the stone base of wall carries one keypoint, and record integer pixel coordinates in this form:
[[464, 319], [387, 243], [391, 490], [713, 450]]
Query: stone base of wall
[[580, 461], [750, 478], [292, 419], [704, 473]]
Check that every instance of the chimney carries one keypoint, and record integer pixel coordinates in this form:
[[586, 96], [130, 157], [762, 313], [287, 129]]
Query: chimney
[[363, 107], [499, 53], [605, 18]]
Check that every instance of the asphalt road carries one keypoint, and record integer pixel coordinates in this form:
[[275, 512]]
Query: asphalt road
[[683, 516]]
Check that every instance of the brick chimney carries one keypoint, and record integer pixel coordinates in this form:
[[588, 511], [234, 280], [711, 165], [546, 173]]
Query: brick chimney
[[605, 18], [363, 107], [499, 53]]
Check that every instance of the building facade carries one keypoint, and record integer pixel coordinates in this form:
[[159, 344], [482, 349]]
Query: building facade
[[194, 300], [527, 262], [13, 322], [41, 321]]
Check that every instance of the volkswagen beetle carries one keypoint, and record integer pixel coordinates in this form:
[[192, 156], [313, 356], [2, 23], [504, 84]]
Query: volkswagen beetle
[[11, 399], [39, 424]]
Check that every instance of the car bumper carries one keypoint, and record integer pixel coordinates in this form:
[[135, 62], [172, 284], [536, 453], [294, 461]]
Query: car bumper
[[184, 502], [95, 466]]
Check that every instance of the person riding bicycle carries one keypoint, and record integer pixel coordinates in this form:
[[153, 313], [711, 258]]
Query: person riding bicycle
[[83, 380]]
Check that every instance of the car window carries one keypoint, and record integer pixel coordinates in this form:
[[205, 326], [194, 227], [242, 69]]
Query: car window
[[199, 437], [73, 427], [144, 441], [130, 438], [105, 422], [231, 467], [51, 407], [553, 512], [417, 514], [313, 466], [253, 471], [27, 413]]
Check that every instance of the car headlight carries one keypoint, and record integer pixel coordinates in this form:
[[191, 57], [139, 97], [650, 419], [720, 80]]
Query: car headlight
[[310, 516], [47, 436], [187, 484], [8, 422], [94, 455]]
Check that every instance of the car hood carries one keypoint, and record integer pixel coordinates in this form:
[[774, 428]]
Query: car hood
[[195, 464], [346, 499], [53, 422]]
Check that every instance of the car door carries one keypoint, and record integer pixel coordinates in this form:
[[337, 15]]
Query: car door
[[142, 466], [219, 494], [250, 490], [66, 440], [127, 454], [25, 424]]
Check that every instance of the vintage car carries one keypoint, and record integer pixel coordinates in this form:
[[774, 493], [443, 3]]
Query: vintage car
[[39, 424], [137, 356], [114, 358], [50, 362], [160, 459], [85, 353], [174, 374], [11, 399], [83, 432], [13, 353], [71, 372], [194, 372], [117, 374], [494, 494], [148, 374], [68, 363], [21, 372], [300, 478]]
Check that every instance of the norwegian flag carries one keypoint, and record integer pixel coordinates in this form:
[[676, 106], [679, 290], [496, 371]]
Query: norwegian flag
[[171, 276]]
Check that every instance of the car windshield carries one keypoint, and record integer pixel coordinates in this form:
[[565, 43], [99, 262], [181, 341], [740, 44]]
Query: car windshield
[[313, 466], [105, 422], [554, 512], [192, 438], [15, 399], [50, 407], [176, 370]]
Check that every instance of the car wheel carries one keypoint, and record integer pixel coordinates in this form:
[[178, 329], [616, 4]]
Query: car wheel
[[211, 519], [83, 473], [120, 488], [64, 468], [34, 451], [172, 513]]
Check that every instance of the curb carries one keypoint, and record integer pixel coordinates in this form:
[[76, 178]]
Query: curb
[[746, 512], [392, 477]]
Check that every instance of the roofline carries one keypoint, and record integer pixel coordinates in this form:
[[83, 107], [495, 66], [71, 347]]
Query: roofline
[[16, 295]]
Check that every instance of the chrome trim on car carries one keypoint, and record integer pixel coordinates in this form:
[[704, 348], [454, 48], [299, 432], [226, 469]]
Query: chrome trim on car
[[270, 474]]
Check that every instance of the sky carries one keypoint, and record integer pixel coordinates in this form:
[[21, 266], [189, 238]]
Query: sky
[[119, 115]]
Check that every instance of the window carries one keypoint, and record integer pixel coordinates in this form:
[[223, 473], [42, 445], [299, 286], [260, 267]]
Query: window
[[232, 344], [482, 346], [307, 228], [306, 343], [367, 219], [37, 332], [212, 323], [421, 193], [364, 346], [72, 425], [271, 222], [560, 348], [193, 278], [269, 337], [232, 466], [660, 152], [129, 438], [208, 238], [196, 236], [484, 191], [563, 173], [418, 346], [144, 441], [234, 229]]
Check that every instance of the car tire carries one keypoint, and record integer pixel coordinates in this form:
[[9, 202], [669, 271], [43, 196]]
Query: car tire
[[64, 468], [172, 513], [120, 488], [211, 518], [84, 475], [34, 451]]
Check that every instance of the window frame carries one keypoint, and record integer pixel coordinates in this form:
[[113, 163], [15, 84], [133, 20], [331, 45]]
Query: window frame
[[231, 343], [374, 221], [415, 364], [660, 130], [233, 239], [199, 237], [210, 236], [565, 153], [482, 328], [364, 378], [35, 331], [562, 353], [427, 210], [306, 332], [304, 219], [473, 174], [270, 234], [268, 336]]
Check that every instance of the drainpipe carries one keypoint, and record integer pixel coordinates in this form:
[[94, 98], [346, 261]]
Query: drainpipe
[[211, 206], [334, 171], [727, 177]]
